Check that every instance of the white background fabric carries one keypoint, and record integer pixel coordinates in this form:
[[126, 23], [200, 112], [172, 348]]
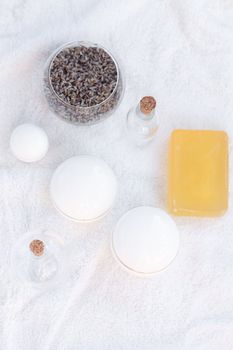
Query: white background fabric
[[179, 51]]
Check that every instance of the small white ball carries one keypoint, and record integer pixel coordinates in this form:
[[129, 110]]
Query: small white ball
[[145, 240], [29, 143]]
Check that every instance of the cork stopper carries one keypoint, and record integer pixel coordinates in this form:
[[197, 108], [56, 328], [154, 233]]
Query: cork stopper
[[37, 247], [147, 104]]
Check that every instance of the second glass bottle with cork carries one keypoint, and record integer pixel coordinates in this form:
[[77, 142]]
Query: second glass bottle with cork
[[143, 121]]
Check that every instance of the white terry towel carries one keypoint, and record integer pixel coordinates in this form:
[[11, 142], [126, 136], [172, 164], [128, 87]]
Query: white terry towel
[[179, 51]]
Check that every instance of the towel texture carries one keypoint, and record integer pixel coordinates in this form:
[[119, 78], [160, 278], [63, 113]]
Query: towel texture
[[179, 51]]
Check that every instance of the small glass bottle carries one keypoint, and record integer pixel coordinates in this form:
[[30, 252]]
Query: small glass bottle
[[37, 259], [143, 121]]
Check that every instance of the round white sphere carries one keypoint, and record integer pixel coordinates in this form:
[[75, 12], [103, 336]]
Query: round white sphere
[[83, 188], [145, 240], [29, 143]]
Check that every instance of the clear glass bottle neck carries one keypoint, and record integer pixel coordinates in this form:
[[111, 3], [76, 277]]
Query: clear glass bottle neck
[[144, 116], [37, 258]]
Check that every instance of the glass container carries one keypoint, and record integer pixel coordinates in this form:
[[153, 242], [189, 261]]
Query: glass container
[[143, 121], [76, 113], [37, 258]]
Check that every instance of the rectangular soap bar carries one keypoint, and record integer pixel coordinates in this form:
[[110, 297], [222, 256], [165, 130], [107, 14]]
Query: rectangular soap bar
[[198, 173]]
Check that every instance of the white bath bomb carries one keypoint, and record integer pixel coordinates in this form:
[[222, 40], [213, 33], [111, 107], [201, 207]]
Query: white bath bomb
[[29, 143], [83, 188], [145, 240]]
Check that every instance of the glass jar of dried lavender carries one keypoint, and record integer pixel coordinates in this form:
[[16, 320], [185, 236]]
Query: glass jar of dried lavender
[[82, 83]]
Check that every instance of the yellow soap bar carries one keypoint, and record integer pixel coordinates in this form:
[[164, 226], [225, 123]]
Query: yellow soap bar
[[198, 173]]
